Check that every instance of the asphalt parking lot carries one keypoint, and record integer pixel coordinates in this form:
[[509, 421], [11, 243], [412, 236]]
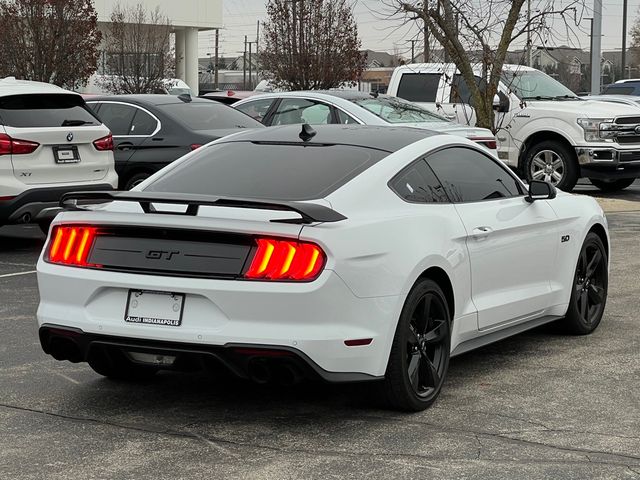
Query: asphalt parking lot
[[539, 405]]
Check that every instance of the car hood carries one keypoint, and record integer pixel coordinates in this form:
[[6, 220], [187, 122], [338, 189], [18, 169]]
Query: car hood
[[586, 108], [451, 128]]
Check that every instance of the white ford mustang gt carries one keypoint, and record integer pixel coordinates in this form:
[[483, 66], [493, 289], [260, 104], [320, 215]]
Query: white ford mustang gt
[[346, 253]]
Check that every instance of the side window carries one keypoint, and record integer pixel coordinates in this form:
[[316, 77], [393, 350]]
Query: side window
[[460, 92], [143, 123], [419, 87], [117, 117], [94, 107], [470, 176], [256, 109], [345, 119], [292, 111], [418, 184]]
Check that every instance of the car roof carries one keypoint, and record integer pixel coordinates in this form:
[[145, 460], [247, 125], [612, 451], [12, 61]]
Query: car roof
[[321, 94], [385, 138], [147, 100], [12, 86]]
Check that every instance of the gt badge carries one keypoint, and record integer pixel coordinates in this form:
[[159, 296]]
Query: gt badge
[[565, 238]]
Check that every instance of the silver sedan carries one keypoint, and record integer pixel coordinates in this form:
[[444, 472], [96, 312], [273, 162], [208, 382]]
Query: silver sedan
[[352, 107]]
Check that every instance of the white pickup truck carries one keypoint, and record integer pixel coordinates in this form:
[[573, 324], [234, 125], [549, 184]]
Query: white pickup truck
[[544, 130]]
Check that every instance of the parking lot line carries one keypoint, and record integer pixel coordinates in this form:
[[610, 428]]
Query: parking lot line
[[16, 274], [67, 378]]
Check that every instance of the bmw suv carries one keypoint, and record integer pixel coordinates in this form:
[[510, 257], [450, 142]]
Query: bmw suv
[[50, 143]]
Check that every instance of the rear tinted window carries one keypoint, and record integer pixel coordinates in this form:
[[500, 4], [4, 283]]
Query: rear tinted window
[[208, 116], [419, 87], [268, 171], [616, 90], [45, 110]]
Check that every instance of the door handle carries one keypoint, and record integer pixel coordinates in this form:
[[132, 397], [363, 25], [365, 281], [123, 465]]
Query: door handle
[[124, 146], [482, 232]]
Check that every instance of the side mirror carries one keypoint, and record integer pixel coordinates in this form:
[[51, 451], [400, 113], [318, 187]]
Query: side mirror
[[539, 190], [501, 102]]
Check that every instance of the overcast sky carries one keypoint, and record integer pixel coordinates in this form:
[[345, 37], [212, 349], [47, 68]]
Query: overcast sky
[[241, 16]]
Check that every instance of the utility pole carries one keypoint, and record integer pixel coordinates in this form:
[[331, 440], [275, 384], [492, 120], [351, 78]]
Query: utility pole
[[215, 68], [250, 78], [244, 65], [529, 57], [413, 50], [257, 45], [596, 50], [624, 38]]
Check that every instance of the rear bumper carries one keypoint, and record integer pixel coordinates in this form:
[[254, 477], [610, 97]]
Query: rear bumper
[[72, 344], [313, 319], [26, 206]]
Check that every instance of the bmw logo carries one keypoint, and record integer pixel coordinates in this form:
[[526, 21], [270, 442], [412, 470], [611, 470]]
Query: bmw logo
[[69, 137]]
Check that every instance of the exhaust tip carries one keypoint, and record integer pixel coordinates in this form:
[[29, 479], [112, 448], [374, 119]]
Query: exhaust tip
[[286, 374], [65, 349], [259, 372]]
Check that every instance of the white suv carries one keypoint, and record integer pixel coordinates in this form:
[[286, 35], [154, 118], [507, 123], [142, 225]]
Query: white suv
[[50, 143], [543, 129]]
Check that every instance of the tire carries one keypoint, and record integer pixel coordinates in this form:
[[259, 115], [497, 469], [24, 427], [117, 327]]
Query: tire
[[115, 365], [589, 288], [612, 185], [134, 180], [553, 162], [421, 346]]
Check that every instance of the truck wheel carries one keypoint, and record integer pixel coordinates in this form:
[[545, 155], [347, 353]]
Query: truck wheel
[[612, 185], [552, 162]]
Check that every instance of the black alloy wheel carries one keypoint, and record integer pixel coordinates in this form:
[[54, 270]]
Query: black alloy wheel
[[420, 352], [590, 287]]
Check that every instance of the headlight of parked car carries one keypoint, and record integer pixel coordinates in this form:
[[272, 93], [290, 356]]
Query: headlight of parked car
[[597, 129]]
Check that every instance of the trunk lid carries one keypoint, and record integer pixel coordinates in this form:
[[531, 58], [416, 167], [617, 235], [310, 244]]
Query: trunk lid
[[50, 162], [61, 131]]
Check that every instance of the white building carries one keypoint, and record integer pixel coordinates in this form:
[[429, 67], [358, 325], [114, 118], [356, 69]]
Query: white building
[[188, 17]]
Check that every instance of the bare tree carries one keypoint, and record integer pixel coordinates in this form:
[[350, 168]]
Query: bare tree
[[139, 57], [53, 41], [478, 33], [311, 44], [634, 47]]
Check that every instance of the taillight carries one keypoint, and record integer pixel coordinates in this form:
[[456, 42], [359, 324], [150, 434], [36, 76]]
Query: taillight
[[13, 146], [71, 245], [286, 260], [195, 146], [104, 143], [490, 143]]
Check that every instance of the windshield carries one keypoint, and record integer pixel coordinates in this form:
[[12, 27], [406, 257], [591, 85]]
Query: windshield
[[535, 85], [394, 110]]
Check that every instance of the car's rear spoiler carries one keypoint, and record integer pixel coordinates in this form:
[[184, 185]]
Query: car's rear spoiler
[[309, 212]]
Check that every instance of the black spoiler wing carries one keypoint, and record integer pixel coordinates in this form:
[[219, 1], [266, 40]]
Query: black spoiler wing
[[309, 212]]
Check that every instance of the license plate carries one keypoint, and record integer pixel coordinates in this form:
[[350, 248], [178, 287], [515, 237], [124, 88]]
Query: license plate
[[154, 308], [66, 154]]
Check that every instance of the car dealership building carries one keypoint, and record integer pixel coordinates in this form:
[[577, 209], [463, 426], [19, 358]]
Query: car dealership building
[[188, 17]]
